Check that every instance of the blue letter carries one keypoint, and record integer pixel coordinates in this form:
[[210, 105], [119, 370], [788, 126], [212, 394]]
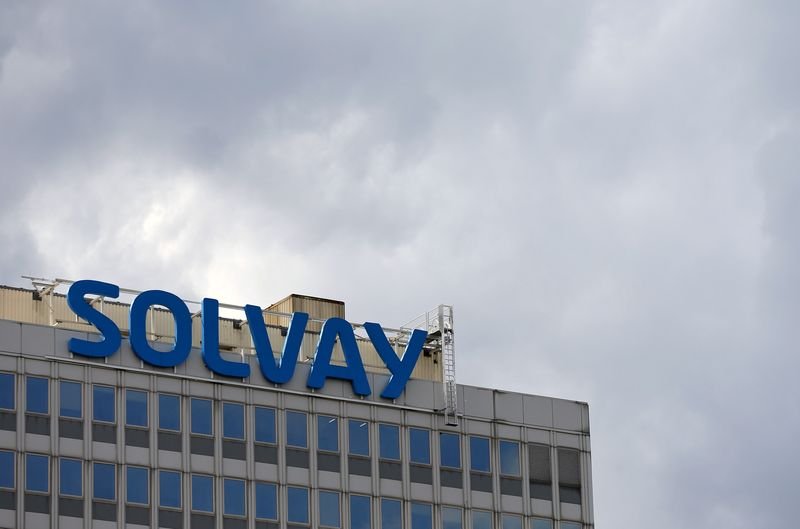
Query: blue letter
[[108, 329], [322, 368], [281, 373], [210, 346], [138, 328], [400, 368]]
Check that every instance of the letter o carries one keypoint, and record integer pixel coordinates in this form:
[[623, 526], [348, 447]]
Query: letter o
[[137, 324]]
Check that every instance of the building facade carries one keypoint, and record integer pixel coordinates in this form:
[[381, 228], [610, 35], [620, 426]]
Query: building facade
[[112, 443]]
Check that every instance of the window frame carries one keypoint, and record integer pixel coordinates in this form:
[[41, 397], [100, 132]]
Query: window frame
[[452, 508], [412, 444], [28, 379], [509, 516], [180, 412], [325, 420], [28, 457], [442, 452], [274, 429], [481, 512], [360, 497], [199, 477], [96, 489], [383, 426], [13, 458], [192, 430], [330, 493], [412, 505], [472, 452], [395, 502], [234, 481], [95, 388], [128, 487], [500, 444], [295, 413], [128, 423], [275, 490], [356, 425], [13, 387], [306, 490], [61, 473], [67, 383], [230, 405], [161, 473]]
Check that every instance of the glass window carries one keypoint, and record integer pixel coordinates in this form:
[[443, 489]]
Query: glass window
[[265, 425], [327, 433], [420, 445], [479, 454], [7, 391], [103, 404], [421, 516], [71, 401], [570, 525], [329, 509], [389, 439], [540, 475], [450, 450], [232, 420], [481, 520], [538, 523], [136, 407], [391, 514], [7, 470], [233, 497], [451, 518], [509, 458], [105, 483], [202, 493], [202, 419], [297, 499], [296, 429], [138, 485], [266, 501], [37, 473], [569, 475], [169, 488], [70, 477], [169, 412], [511, 521], [359, 437], [37, 395], [360, 512]]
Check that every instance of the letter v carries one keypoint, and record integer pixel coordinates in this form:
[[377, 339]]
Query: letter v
[[281, 372]]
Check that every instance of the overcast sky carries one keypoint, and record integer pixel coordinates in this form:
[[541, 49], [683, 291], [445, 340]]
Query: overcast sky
[[607, 192]]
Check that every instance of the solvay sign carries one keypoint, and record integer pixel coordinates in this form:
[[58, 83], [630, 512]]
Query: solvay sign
[[278, 372]]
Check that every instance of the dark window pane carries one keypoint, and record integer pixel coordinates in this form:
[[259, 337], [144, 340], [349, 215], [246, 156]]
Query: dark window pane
[[329, 509], [265, 425], [103, 403], [389, 435], [169, 484], [37, 473], [233, 491], [509, 458], [136, 407], [327, 433], [481, 520], [479, 454], [512, 522], [105, 483], [451, 518], [37, 395], [138, 484], [296, 429], [421, 517], [169, 412], [232, 420], [569, 467], [202, 493], [7, 391], [71, 477], [202, 417], [71, 401], [360, 512], [420, 445], [359, 437], [297, 498], [450, 450], [7, 470], [391, 514], [266, 501]]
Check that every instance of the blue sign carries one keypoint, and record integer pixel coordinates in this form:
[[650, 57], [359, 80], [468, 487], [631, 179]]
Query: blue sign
[[277, 372]]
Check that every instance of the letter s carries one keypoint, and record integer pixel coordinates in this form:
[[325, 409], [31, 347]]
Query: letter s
[[108, 329]]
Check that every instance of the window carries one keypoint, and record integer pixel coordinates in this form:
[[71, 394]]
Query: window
[[103, 404], [569, 476], [360, 512], [37, 395], [169, 488], [481, 520], [202, 493], [297, 499], [296, 429], [7, 480], [265, 425], [37, 473], [540, 474], [359, 437], [169, 412], [138, 485], [232, 420], [420, 445], [509, 458], [450, 450], [389, 439], [266, 501], [202, 418], [7, 390], [71, 401], [70, 477], [451, 518], [136, 408], [327, 433], [233, 497], [329, 509], [570, 525], [391, 514], [479, 454], [538, 523], [421, 516], [511, 521], [105, 483]]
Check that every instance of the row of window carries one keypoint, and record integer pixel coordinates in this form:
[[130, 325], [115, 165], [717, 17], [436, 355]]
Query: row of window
[[234, 497]]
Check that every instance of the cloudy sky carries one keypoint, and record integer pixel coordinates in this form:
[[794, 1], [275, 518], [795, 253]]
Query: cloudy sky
[[607, 192]]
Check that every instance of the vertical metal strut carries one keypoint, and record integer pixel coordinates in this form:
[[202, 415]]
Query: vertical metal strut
[[445, 320]]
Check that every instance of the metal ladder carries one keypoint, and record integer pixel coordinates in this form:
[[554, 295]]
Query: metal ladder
[[445, 318]]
